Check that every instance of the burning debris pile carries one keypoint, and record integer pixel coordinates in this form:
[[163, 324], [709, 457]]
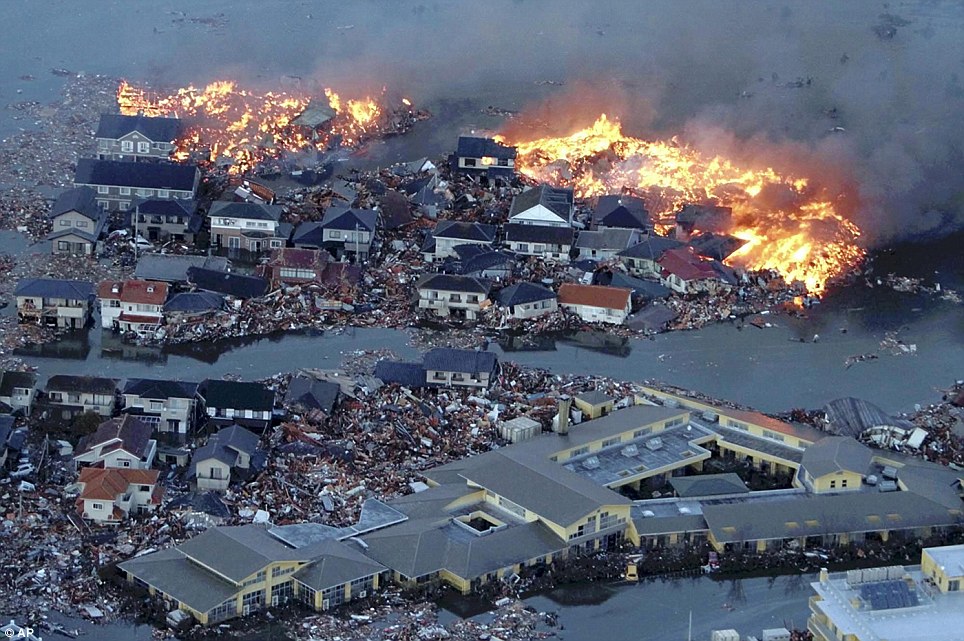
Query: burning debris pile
[[230, 125], [805, 238]]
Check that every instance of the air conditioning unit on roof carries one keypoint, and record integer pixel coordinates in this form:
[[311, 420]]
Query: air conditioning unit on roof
[[591, 463], [630, 451], [654, 444]]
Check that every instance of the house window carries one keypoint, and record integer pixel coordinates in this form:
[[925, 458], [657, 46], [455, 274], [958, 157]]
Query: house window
[[103, 189], [81, 223], [103, 145], [642, 432], [275, 243], [145, 192], [124, 205], [143, 147], [163, 193], [216, 473], [97, 506], [234, 242], [334, 233], [63, 245], [833, 484], [156, 405], [523, 247], [123, 462], [127, 145], [125, 191], [579, 451], [144, 488], [843, 483], [65, 223], [612, 441], [469, 162]]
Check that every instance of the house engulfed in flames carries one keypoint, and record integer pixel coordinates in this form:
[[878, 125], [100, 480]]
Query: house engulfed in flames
[[238, 128], [805, 240]]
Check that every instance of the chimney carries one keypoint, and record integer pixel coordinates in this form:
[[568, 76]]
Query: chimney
[[564, 403]]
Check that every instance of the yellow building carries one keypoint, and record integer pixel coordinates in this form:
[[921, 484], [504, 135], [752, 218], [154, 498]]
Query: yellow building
[[231, 571]]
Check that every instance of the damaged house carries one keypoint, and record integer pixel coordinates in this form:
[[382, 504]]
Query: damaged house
[[124, 442], [622, 212], [229, 455], [57, 303], [247, 229], [107, 496], [78, 223], [543, 205], [348, 232], [447, 295], [72, 395], [132, 306], [483, 155], [596, 304], [450, 367], [160, 220], [528, 300], [604, 244], [18, 391], [136, 137], [316, 399], [294, 266], [545, 242], [449, 234], [169, 406], [248, 404]]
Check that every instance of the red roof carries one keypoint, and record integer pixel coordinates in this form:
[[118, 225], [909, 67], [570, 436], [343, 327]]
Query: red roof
[[685, 264], [138, 318], [145, 292], [106, 484], [298, 257], [594, 296]]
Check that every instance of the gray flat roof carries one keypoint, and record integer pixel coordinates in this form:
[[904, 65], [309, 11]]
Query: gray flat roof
[[757, 443], [950, 558]]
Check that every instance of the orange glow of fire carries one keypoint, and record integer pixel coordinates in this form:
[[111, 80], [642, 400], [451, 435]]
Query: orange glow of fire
[[247, 127], [806, 241]]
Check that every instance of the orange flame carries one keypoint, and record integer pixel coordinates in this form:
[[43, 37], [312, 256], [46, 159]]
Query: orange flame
[[806, 241], [247, 127]]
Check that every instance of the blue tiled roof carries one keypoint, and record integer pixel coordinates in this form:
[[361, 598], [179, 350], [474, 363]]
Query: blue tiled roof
[[227, 283], [140, 175], [82, 200], [522, 293], [52, 288], [348, 219], [476, 147], [402, 373], [469, 361]]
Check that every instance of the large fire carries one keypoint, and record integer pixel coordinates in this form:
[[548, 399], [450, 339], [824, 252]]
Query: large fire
[[805, 239], [245, 127]]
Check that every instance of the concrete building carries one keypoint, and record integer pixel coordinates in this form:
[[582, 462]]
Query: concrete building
[[57, 303], [596, 304], [889, 603]]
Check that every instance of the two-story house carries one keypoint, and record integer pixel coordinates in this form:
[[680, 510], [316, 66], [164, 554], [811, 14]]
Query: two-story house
[[596, 304], [118, 183], [247, 404], [132, 306], [109, 495], [18, 390], [604, 244], [71, 395], [548, 243], [136, 137], [543, 205], [170, 406], [294, 266], [348, 232], [58, 303], [642, 259], [475, 154], [78, 222], [160, 220], [445, 366], [227, 454], [528, 300], [449, 295], [122, 442], [249, 227], [448, 234], [623, 212]]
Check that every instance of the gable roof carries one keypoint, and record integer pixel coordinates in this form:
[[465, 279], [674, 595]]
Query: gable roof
[[487, 260], [154, 129], [247, 211], [105, 484], [339, 564], [166, 207], [132, 431], [298, 257], [715, 246], [594, 296], [237, 395], [227, 283], [160, 389], [478, 147], [237, 552], [142, 175], [347, 219], [452, 283], [651, 247], [194, 302], [621, 211], [224, 446], [173, 268], [88, 384], [312, 394], [82, 200], [468, 361], [309, 233], [558, 200], [647, 289], [517, 232], [708, 485], [55, 288], [143, 292], [465, 231], [522, 293]]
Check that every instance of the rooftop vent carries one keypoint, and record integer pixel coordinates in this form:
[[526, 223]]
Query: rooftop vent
[[684, 510], [629, 451], [150, 289], [115, 288], [591, 463], [711, 417], [648, 514], [654, 444]]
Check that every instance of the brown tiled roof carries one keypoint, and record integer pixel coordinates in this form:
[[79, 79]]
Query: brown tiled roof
[[298, 257], [145, 292], [686, 264], [594, 295], [105, 484]]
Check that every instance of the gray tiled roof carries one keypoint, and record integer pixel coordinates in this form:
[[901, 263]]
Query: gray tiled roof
[[173, 268], [116, 126], [708, 485], [339, 564], [248, 211], [82, 200], [160, 388], [347, 219], [171, 572], [237, 395], [402, 373], [539, 234], [558, 200], [452, 283], [836, 453], [651, 247], [522, 293], [477, 147], [465, 231], [143, 175], [467, 361]]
